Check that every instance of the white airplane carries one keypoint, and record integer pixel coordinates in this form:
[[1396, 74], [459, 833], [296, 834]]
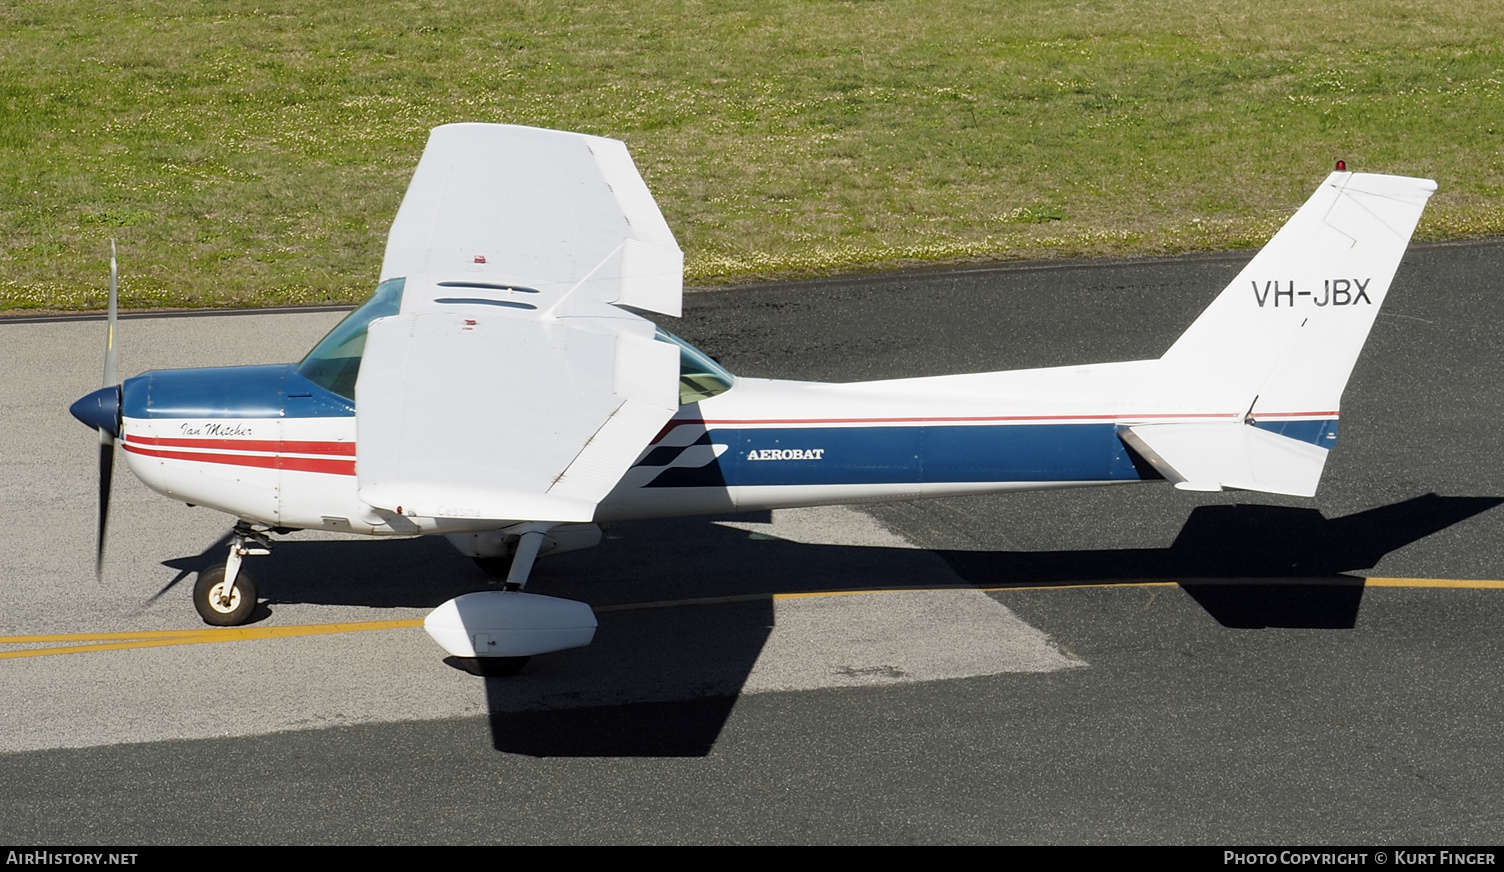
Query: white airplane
[[500, 389]]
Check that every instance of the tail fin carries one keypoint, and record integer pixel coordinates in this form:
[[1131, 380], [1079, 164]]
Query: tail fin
[[1278, 345]]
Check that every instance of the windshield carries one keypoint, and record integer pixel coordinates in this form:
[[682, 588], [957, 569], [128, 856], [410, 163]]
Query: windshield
[[700, 377], [334, 363]]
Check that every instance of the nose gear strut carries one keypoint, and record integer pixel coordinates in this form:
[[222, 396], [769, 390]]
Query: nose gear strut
[[225, 596]]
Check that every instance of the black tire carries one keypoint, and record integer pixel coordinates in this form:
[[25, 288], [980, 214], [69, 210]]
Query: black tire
[[242, 598], [495, 667], [496, 567]]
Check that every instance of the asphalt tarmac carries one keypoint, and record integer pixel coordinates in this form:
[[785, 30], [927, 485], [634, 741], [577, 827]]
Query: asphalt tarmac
[[1114, 665]]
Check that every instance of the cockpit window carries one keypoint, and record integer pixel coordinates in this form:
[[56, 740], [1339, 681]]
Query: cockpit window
[[700, 377], [334, 363]]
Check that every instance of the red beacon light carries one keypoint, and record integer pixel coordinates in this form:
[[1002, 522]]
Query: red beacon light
[[480, 258], [1341, 166]]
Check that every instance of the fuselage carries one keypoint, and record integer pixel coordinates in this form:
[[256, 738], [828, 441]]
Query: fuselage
[[268, 445]]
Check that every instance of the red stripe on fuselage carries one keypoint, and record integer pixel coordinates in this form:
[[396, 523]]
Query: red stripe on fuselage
[[270, 446], [263, 461]]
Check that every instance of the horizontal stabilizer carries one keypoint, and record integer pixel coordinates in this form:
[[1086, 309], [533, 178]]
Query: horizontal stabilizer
[[1213, 457]]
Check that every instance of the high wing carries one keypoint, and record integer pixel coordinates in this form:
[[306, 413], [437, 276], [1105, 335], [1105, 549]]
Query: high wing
[[550, 210], [511, 385]]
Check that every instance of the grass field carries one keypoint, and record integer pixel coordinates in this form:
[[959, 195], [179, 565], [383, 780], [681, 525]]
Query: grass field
[[251, 152]]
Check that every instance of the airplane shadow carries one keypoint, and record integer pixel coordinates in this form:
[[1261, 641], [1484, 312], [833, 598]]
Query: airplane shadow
[[1248, 566], [661, 681]]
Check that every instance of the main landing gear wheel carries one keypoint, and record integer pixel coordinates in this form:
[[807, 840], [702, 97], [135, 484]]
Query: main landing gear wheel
[[496, 567], [497, 667], [215, 607]]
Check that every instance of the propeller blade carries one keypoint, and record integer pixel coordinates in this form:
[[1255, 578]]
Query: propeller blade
[[107, 434], [106, 476], [110, 357]]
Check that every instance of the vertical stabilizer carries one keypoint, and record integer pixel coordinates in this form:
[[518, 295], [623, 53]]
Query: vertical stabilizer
[[1282, 339], [1273, 352]]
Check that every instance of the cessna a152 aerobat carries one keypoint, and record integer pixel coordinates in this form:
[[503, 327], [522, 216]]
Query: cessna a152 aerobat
[[500, 388]]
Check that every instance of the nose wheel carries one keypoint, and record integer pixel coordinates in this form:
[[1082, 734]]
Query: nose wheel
[[224, 595], [224, 605]]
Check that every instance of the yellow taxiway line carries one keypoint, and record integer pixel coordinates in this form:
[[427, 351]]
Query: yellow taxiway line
[[161, 638], [78, 643], [1468, 583], [1452, 583]]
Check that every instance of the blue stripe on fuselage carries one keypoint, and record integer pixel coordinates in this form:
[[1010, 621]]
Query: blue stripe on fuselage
[[913, 455]]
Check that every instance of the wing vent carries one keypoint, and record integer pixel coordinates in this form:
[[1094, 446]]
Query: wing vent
[[481, 301], [489, 286]]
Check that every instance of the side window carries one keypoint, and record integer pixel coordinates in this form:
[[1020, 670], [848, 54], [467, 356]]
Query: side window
[[334, 363], [700, 377]]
